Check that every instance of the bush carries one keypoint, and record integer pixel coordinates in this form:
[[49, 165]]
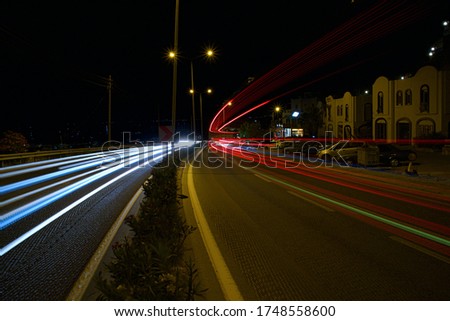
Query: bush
[[150, 265], [13, 142]]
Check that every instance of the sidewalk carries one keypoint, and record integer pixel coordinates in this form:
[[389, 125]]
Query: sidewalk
[[431, 166]]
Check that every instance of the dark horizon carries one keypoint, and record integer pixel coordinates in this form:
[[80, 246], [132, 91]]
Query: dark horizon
[[54, 66]]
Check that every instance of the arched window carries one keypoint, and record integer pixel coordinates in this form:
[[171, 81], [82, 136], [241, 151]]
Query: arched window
[[425, 128], [408, 97], [399, 100], [340, 133], [347, 132], [329, 111], [380, 103], [424, 99], [403, 130], [380, 129]]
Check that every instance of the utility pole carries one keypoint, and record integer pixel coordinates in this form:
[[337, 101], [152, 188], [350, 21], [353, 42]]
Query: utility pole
[[174, 78], [201, 117], [109, 108], [193, 101]]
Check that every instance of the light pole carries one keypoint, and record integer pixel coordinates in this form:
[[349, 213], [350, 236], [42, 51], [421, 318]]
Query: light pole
[[193, 100], [172, 55], [275, 117], [174, 79], [109, 86], [208, 91], [209, 54]]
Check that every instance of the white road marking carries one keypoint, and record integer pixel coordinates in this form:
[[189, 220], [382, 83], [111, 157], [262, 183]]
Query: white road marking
[[81, 285]]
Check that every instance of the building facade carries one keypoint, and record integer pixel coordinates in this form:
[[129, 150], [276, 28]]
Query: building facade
[[348, 117], [415, 107]]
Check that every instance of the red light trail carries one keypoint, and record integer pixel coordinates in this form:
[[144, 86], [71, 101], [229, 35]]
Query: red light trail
[[383, 18], [436, 203]]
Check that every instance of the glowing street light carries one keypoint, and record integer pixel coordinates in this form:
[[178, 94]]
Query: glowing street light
[[209, 92], [208, 54]]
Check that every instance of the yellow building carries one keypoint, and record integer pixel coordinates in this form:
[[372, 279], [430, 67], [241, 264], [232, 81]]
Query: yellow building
[[413, 107], [349, 116]]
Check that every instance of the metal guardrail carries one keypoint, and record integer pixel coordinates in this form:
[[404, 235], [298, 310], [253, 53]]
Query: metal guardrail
[[20, 158]]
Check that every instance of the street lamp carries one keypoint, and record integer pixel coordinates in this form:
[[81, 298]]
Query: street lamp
[[192, 92], [209, 92], [275, 117], [209, 54]]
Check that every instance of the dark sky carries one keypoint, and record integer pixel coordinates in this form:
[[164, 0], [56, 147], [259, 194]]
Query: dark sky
[[55, 56]]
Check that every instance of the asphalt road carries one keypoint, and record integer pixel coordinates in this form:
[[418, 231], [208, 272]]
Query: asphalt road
[[50, 228], [323, 233]]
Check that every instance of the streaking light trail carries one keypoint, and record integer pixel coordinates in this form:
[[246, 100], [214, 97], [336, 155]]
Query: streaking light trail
[[134, 160], [383, 18], [428, 233]]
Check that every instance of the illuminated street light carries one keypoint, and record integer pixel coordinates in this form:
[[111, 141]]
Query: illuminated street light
[[209, 92], [208, 54]]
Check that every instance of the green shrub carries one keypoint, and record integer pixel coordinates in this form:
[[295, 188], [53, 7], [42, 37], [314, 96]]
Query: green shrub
[[151, 264]]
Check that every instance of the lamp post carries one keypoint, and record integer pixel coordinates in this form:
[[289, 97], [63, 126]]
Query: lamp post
[[208, 54], [192, 92], [172, 55], [208, 91], [275, 117], [193, 99]]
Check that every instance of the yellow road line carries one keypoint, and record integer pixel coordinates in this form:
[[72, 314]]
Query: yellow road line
[[229, 287]]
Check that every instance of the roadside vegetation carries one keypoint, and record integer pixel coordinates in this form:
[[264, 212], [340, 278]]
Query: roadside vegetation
[[150, 263]]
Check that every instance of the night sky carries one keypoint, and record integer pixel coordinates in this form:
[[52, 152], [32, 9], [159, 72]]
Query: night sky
[[55, 57]]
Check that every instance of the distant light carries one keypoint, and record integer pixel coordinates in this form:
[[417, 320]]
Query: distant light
[[191, 91], [433, 48], [366, 91], [172, 54], [295, 114], [445, 23], [402, 77], [430, 54], [277, 108]]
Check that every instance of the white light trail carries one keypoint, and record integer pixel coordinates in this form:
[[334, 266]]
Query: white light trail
[[160, 151]]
